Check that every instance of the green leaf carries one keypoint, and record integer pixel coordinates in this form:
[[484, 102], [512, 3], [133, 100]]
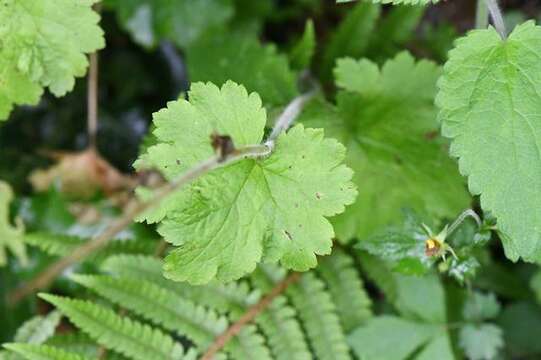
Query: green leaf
[[479, 307], [130, 338], [489, 100], [390, 338], [402, 246], [242, 58], [302, 53], [182, 22], [11, 237], [387, 120], [481, 342], [44, 47], [519, 321], [42, 352], [420, 298], [273, 208], [438, 348]]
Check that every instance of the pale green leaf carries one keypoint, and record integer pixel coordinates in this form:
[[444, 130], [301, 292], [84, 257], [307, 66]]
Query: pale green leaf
[[44, 43], [273, 208], [481, 342], [11, 237], [38, 329], [438, 348], [490, 106]]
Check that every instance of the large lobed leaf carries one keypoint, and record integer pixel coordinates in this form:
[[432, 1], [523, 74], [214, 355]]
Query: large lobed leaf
[[490, 102], [229, 220], [43, 45], [387, 120]]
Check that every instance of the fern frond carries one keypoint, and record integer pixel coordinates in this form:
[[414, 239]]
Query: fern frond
[[279, 323], [42, 352], [318, 315], [77, 342], [38, 329], [248, 345], [61, 244], [158, 305], [347, 290], [232, 297], [130, 338]]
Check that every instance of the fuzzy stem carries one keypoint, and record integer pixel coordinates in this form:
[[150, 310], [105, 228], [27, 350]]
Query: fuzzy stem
[[497, 17], [481, 15], [249, 316], [289, 115], [460, 219]]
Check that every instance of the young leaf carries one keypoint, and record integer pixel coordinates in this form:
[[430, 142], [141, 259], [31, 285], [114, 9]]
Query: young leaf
[[44, 47], [387, 120], [275, 207], [301, 55], [481, 342], [403, 246], [181, 21], [11, 238]]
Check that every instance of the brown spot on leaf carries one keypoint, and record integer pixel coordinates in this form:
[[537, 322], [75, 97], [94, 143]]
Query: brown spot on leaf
[[288, 235]]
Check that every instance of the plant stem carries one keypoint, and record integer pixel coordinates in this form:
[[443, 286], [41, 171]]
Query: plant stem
[[289, 115], [248, 316], [497, 17], [92, 101], [460, 219], [134, 209], [481, 15]]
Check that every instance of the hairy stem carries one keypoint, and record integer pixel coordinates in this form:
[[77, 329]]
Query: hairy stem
[[481, 15], [92, 101], [460, 219], [289, 115], [249, 316], [497, 17], [134, 209]]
